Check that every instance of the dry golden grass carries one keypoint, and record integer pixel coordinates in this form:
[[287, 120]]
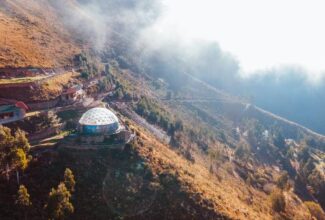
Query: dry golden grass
[[53, 87], [31, 35], [229, 196], [47, 90], [21, 80]]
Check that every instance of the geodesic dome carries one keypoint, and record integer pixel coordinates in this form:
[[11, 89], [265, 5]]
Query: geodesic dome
[[99, 121]]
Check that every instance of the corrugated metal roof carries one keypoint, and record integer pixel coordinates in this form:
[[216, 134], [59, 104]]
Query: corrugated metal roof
[[98, 116]]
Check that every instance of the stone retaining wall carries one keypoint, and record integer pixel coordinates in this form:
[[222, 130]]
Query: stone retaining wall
[[44, 105], [44, 134]]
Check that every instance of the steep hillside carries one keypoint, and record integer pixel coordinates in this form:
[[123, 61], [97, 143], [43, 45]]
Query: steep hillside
[[220, 157], [32, 35], [221, 131], [147, 180]]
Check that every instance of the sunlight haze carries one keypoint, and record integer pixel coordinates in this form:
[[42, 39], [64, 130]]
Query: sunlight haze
[[260, 34]]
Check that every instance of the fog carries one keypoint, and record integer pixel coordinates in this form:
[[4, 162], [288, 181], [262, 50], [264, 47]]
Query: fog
[[96, 22], [261, 34], [265, 52]]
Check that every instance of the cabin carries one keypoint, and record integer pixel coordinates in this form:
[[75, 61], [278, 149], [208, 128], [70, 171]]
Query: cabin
[[12, 112], [72, 94]]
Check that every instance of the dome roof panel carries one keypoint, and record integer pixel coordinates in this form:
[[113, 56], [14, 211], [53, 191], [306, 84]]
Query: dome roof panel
[[98, 116]]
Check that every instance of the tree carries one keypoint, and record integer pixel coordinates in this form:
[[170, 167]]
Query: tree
[[279, 141], [13, 151], [179, 125], [242, 151], [51, 120], [303, 154], [119, 94], [278, 202], [5, 140], [153, 117], [84, 74], [21, 140], [23, 200], [283, 181], [59, 205], [69, 180]]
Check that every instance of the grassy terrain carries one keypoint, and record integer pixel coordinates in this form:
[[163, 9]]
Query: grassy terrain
[[27, 40], [243, 160], [22, 80], [208, 171], [47, 90]]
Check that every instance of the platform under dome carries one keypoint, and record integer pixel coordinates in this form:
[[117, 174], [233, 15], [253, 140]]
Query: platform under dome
[[99, 121]]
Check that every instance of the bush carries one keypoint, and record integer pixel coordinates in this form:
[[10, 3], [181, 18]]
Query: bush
[[85, 75], [277, 201], [283, 181], [315, 210], [157, 115], [242, 151]]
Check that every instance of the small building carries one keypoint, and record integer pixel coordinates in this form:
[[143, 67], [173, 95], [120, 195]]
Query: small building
[[12, 112], [72, 94]]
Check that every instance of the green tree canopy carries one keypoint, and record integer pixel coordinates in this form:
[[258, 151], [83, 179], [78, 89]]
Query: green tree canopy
[[59, 205], [13, 149], [23, 200], [69, 180]]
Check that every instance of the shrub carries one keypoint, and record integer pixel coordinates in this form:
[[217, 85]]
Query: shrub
[[279, 141], [283, 181], [84, 75], [188, 155], [151, 111], [242, 151], [277, 201]]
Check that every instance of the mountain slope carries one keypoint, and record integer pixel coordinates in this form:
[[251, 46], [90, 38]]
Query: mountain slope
[[224, 160], [32, 35]]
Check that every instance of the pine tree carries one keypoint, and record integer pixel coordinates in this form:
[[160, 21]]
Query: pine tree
[[23, 200], [6, 140], [69, 180], [13, 151], [278, 201], [21, 140], [59, 205]]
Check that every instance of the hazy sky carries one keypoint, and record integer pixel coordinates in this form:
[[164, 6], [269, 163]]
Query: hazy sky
[[259, 33]]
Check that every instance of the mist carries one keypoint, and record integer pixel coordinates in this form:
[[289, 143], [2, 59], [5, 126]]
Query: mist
[[142, 32], [96, 23]]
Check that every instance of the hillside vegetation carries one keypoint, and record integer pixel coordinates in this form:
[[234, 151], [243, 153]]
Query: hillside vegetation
[[223, 158]]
